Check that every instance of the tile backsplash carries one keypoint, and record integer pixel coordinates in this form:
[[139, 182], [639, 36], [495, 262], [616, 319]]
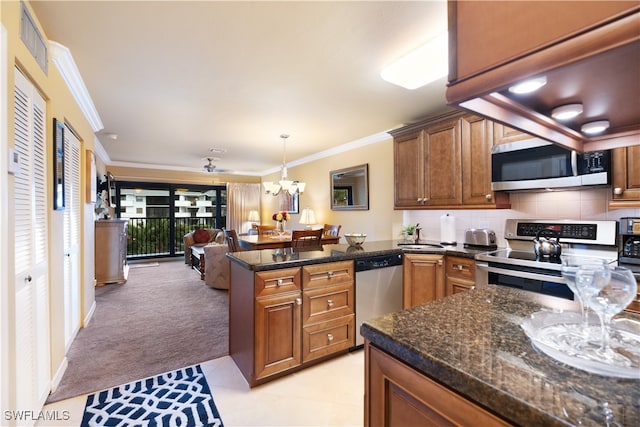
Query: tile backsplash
[[584, 204]]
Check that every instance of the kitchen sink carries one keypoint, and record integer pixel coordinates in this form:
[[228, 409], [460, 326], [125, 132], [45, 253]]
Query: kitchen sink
[[420, 246]]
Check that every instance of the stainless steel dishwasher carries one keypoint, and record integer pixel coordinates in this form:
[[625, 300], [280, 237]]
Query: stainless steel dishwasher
[[378, 288]]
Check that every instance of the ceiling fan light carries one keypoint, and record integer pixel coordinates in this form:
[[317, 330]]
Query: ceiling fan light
[[593, 128], [528, 86], [566, 112]]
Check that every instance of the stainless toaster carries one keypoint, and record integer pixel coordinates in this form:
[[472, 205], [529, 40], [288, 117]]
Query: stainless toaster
[[481, 237]]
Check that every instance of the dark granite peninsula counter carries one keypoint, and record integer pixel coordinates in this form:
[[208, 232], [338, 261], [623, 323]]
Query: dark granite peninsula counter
[[469, 355], [270, 259]]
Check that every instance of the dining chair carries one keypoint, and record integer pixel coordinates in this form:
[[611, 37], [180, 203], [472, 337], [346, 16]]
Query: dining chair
[[306, 239], [265, 229], [232, 240], [332, 230]]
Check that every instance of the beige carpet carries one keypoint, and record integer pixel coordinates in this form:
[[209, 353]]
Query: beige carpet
[[163, 318]]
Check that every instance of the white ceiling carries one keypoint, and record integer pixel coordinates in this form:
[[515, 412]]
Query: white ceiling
[[175, 78]]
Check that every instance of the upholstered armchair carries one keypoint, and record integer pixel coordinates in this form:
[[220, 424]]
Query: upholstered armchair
[[201, 237]]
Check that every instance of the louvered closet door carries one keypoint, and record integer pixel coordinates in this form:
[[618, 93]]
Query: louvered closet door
[[32, 349], [71, 236]]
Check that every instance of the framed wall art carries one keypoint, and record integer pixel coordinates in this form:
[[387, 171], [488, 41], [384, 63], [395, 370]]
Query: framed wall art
[[289, 202], [58, 165]]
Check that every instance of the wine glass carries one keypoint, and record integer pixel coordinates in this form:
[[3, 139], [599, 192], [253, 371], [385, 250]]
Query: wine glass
[[584, 276], [609, 300]]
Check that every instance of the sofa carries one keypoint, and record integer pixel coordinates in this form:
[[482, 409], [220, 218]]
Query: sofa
[[201, 237], [216, 266]]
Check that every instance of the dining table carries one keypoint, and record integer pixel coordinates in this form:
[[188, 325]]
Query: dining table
[[254, 242]]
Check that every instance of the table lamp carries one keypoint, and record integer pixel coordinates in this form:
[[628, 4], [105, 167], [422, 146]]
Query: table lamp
[[307, 217], [254, 218]]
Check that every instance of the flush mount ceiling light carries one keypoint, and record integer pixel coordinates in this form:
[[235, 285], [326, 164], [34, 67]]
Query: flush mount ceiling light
[[528, 86], [592, 128], [421, 66], [292, 187], [566, 112]]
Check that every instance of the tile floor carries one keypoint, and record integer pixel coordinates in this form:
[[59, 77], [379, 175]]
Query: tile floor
[[328, 394]]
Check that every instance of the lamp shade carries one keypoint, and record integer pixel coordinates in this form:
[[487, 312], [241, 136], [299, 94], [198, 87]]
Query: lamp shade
[[307, 217], [254, 216]]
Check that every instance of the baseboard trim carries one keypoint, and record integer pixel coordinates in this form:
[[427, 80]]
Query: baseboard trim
[[55, 381], [89, 315]]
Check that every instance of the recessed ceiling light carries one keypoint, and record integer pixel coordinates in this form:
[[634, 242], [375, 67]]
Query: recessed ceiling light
[[566, 112], [595, 127], [421, 66], [528, 86]]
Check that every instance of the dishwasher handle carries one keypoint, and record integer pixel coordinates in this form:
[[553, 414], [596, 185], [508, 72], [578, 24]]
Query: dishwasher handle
[[380, 261]]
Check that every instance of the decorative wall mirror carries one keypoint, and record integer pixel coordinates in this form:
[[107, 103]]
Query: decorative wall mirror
[[350, 188]]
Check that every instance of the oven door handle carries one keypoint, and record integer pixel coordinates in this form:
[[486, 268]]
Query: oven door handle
[[523, 274]]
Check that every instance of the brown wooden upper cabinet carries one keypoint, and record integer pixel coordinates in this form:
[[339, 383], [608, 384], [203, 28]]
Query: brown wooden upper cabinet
[[625, 177], [589, 52], [445, 162]]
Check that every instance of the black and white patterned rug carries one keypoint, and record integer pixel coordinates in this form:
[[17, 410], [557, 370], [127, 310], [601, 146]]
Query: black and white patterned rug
[[177, 398]]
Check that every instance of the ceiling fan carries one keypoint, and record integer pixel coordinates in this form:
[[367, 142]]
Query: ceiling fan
[[209, 166]]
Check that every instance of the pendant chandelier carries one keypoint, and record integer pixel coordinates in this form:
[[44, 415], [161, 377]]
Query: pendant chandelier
[[285, 184]]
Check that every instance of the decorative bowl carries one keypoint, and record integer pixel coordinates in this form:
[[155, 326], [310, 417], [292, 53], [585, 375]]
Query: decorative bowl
[[355, 239]]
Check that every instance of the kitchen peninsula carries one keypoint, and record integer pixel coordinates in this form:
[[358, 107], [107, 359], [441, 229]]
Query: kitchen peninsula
[[465, 359]]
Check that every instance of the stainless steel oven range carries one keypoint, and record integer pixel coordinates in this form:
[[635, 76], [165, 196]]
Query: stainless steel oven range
[[518, 266]]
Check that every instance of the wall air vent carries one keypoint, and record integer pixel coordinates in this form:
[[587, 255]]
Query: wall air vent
[[32, 38]]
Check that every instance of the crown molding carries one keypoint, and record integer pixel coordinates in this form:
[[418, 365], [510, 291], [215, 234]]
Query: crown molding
[[61, 57], [100, 151], [367, 140]]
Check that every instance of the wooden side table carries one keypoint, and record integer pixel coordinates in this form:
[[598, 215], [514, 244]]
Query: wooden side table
[[197, 259]]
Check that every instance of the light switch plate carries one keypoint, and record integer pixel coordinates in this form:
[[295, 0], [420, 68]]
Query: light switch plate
[[14, 161]]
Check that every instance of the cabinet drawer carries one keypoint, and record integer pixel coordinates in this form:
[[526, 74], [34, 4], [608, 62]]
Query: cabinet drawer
[[277, 281], [322, 339], [328, 274], [320, 304], [461, 268]]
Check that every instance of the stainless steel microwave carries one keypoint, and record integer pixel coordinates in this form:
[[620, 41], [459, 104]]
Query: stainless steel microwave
[[538, 164]]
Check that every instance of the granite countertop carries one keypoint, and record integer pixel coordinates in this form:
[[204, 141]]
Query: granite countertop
[[271, 259], [472, 342]]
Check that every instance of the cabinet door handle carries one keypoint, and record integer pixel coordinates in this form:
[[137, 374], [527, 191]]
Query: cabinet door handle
[[330, 337], [440, 262], [329, 303], [28, 278], [279, 282], [329, 274], [488, 197], [298, 301], [617, 191]]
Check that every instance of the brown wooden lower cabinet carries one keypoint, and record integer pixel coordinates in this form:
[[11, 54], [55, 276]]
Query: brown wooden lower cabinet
[[278, 327], [461, 273], [281, 320], [423, 279], [398, 395]]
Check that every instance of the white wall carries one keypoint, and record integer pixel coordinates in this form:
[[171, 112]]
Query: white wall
[[584, 204]]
